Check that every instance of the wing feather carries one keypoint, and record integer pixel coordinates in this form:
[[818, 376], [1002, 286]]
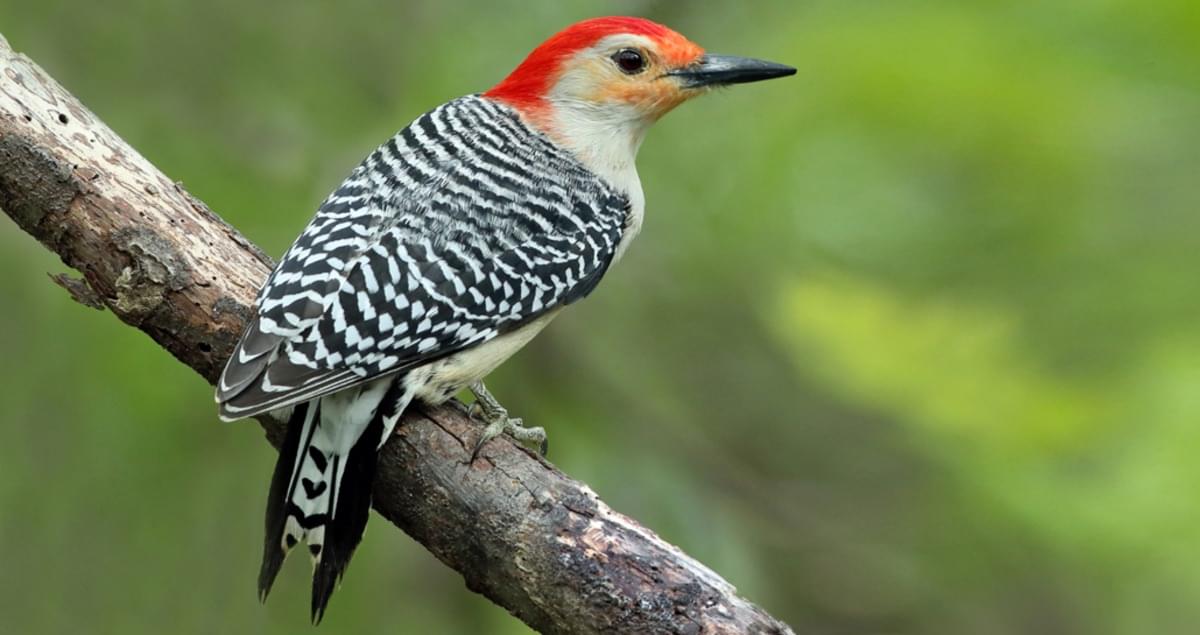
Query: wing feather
[[418, 255]]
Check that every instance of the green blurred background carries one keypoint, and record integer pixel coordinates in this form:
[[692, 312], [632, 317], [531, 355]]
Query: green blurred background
[[909, 343]]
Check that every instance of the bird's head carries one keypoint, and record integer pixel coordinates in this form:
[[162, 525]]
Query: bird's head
[[612, 77]]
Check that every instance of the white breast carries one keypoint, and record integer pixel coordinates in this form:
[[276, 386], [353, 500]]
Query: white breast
[[440, 380], [605, 140], [637, 211]]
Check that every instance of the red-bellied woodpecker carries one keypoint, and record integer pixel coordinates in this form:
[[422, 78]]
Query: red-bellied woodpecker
[[441, 255]]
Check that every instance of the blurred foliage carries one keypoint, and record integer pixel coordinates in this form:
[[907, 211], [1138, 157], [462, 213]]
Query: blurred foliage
[[908, 344]]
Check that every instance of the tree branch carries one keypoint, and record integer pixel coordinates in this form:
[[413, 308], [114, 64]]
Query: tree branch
[[519, 531]]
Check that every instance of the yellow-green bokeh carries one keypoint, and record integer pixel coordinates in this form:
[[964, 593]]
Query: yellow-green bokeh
[[909, 342]]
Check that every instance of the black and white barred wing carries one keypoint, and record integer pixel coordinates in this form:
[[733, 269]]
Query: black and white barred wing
[[464, 226], [298, 290]]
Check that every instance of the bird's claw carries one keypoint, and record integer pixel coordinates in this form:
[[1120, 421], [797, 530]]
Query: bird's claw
[[515, 428], [487, 410]]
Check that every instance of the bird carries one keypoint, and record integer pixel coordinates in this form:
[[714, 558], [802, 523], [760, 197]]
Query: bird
[[446, 250]]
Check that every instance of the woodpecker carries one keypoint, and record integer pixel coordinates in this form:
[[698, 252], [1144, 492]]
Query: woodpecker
[[443, 253]]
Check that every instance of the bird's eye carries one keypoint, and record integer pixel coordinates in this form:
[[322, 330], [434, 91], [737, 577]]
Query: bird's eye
[[629, 61]]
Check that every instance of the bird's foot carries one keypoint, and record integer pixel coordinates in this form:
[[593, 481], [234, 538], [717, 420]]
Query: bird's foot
[[489, 411]]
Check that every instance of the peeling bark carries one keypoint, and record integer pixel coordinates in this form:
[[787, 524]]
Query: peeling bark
[[522, 533]]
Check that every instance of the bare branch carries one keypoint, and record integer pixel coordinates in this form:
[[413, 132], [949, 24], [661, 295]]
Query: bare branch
[[519, 531]]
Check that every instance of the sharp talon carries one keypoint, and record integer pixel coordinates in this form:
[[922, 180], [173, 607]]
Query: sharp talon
[[475, 453], [460, 406], [544, 447], [492, 431], [483, 439], [486, 409]]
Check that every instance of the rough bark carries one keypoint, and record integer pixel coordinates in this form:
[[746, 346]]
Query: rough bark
[[520, 532]]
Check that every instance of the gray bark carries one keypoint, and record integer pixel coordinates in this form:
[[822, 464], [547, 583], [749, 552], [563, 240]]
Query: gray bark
[[520, 532]]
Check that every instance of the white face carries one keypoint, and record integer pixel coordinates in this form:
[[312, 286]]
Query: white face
[[606, 97], [621, 78]]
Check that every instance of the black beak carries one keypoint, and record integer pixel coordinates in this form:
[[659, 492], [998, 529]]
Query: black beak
[[720, 70]]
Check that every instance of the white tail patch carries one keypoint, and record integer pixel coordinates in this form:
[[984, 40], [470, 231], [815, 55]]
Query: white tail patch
[[325, 444], [321, 487]]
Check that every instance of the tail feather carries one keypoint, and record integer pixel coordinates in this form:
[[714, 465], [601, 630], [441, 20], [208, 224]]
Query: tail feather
[[275, 547], [321, 487], [345, 529]]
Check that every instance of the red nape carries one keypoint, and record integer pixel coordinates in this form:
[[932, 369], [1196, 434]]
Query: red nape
[[528, 84]]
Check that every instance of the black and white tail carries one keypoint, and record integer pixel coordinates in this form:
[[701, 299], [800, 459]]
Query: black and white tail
[[321, 488]]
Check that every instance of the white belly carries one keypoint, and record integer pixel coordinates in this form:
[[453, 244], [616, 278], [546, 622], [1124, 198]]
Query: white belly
[[438, 381]]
